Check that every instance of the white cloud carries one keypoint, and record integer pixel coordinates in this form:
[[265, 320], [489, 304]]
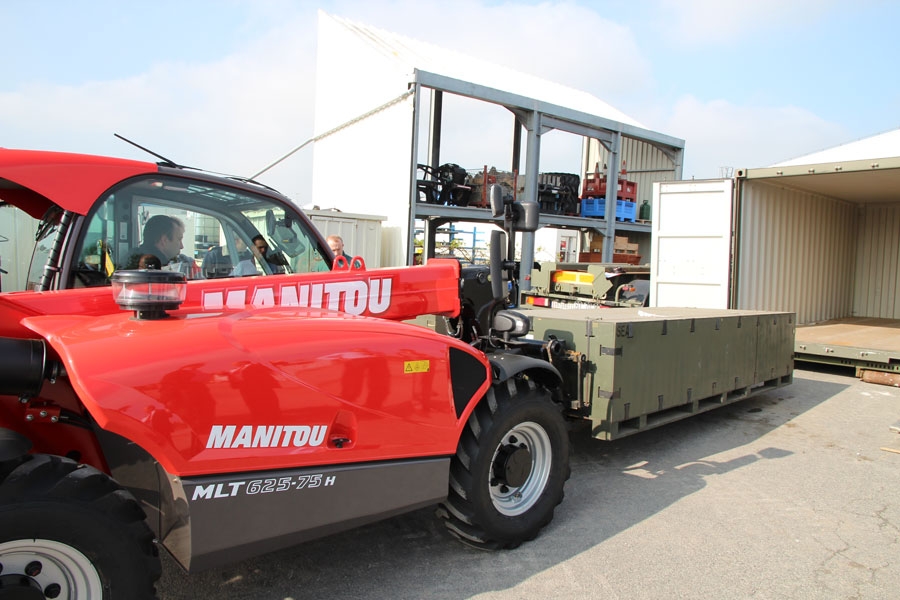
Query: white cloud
[[721, 134], [234, 115], [716, 22], [241, 112]]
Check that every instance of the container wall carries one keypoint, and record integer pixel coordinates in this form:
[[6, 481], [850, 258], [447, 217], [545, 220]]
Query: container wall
[[876, 289], [17, 231], [797, 252], [361, 233]]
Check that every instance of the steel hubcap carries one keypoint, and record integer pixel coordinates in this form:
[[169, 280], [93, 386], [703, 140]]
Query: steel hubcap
[[513, 465], [19, 587], [520, 469], [39, 569]]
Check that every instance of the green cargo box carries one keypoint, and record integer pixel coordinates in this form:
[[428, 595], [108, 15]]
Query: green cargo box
[[644, 367]]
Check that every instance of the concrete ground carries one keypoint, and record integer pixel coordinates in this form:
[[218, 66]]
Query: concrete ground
[[787, 495]]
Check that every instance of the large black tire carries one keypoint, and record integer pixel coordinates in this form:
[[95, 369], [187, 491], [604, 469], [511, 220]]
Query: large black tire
[[509, 469], [69, 531]]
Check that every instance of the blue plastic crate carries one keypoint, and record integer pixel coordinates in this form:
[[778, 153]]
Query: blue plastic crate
[[626, 211], [596, 207], [593, 207]]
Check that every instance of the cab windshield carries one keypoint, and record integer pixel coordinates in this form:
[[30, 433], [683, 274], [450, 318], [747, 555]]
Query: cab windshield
[[198, 228]]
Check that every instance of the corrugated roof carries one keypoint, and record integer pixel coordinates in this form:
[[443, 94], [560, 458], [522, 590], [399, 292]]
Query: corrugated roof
[[415, 54], [885, 145]]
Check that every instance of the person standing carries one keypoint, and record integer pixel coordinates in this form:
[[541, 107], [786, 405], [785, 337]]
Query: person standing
[[336, 243]]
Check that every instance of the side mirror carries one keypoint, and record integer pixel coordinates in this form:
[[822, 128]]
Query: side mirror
[[498, 258], [270, 222], [496, 195], [528, 216]]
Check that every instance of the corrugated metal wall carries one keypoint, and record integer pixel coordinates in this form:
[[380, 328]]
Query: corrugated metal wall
[[361, 233], [16, 242], [876, 292], [644, 164], [797, 252]]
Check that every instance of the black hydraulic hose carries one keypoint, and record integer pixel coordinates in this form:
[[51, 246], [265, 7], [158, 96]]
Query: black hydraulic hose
[[51, 268]]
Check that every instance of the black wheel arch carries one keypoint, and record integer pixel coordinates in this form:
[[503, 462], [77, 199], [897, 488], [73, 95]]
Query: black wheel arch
[[506, 365]]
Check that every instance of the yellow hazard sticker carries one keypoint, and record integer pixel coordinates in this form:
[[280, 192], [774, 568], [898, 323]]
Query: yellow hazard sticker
[[416, 366]]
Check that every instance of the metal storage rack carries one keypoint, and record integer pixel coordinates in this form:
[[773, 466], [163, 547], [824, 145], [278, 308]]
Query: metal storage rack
[[537, 118]]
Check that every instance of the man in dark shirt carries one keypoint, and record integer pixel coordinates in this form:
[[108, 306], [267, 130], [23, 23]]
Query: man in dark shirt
[[163, 238], [275, 261], [336, 243]]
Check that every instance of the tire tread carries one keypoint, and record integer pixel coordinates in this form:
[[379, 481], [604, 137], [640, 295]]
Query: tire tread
[[458, 512], [42, 478]]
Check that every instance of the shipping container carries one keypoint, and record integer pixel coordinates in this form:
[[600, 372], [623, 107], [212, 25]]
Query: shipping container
[[820, 240], [17, 231], [361, 233]]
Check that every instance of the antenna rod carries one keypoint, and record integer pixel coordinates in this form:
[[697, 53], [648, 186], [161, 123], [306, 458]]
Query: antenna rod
[[159, 156]]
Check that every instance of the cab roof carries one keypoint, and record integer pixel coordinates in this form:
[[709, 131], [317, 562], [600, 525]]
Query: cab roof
[[35, 180]]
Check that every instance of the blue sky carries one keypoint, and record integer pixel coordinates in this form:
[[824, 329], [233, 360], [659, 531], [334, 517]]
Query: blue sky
[[229, 85]]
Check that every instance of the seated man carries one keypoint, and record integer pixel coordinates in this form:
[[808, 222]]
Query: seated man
[[260, 249], [163, 238]]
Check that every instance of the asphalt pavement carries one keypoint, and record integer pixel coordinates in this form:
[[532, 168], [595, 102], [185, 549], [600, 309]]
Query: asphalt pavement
[[793, 494]]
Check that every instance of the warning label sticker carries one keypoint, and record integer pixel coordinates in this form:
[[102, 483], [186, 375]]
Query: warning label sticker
[[416, 366]]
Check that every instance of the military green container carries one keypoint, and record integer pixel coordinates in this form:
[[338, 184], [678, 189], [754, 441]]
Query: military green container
[[631, 369]]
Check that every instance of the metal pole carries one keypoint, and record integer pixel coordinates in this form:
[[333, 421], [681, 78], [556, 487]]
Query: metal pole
[[434, 129], [416, 88], [612, 187], [532, 164]]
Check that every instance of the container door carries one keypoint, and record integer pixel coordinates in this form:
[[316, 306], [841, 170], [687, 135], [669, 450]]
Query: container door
[[691, 243]]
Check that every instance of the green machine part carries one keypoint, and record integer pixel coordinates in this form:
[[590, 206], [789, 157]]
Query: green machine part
[[631, 369]]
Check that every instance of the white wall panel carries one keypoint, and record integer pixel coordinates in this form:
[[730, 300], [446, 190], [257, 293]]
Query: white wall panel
[[17, 230], [364, 168], [691, 244]]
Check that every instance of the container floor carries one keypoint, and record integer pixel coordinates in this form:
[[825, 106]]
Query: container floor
[[861, 342]]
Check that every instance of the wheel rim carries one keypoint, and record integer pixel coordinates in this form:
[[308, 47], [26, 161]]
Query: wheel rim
[[520, 468], [58, 570]]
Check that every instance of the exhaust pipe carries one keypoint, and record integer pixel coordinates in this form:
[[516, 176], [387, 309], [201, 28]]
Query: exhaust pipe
[[23, 367]]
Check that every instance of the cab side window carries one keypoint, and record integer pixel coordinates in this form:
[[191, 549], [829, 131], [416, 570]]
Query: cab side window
[[93, 262]]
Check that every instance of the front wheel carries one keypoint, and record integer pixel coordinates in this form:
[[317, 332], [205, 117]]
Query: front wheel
[[509, 469], [69, 531]]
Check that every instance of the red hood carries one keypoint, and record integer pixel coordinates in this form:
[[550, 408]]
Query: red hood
[[395, 293], [34, 180]]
